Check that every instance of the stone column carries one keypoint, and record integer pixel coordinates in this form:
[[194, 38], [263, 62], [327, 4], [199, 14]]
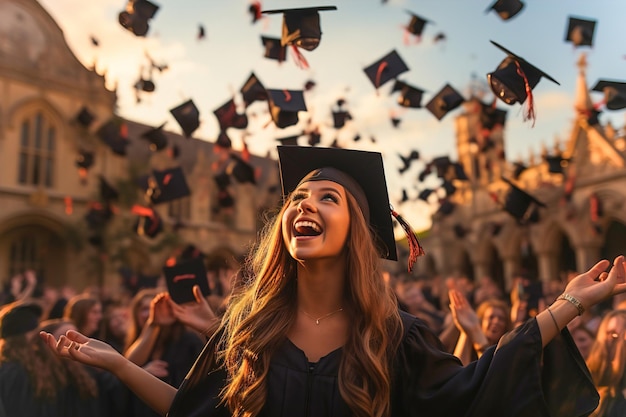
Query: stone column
[[587, 256], [510, 266], [547, 266]]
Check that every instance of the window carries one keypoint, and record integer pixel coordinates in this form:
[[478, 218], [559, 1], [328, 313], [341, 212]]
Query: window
[[37, 148], [23, 255]]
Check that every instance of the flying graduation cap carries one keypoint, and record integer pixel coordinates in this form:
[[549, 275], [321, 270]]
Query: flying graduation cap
[[114, 134], [165, 185], [580, 31], [85, 117], [506, 9], [385, 69], [188, 117], [409, 96], [156, 137], [284, 106], [301, 26], [227, 116], [521, 205], [253, 90], [514, 79], [446, 100], [274, 49], [416, 24], [136, 16], [556, 163], [614, 93], [148, 222]]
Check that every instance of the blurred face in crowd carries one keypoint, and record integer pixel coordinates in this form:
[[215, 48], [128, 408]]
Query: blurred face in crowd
[[118, 321], [94, 316], [494, 324], [583, 339], [143, 312]]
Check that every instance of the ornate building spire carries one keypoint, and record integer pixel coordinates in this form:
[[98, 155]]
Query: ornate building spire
[[582, 104]]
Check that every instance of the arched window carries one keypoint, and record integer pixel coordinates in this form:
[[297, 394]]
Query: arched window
[[37, 151]]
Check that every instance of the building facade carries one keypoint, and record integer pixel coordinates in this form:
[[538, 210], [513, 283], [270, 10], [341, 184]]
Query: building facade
[[45, 196]]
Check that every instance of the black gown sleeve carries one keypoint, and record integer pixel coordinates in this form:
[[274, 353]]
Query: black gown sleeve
[[516, 378]]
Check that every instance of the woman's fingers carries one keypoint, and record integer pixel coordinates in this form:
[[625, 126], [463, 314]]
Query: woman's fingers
[[77, 337], [198, 294]]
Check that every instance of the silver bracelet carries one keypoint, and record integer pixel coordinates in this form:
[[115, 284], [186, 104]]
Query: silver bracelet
[[567, 297]]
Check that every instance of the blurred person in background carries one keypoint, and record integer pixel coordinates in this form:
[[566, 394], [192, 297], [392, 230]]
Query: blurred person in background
[[85, 311]]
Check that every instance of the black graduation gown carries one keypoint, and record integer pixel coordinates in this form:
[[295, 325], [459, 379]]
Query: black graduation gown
[[517, 379], [17, 397]]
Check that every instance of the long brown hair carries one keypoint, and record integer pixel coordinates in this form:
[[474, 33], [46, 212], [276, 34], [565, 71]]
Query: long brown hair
[[259, 317], [607, 360]]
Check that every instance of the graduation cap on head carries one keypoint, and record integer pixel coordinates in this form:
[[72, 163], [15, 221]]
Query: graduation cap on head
[[514, 79], [107, 192], [227, 116], [19, 318], [156, 137], [506, 9], [446, 100], [253, 90], [136, 16], [273, 49], [416, 24], [148, 222], [166, 185], [556, 163], [580, 31], [409, 96], [85, 117], [183, 276], [284, 106], [188, 117], [521, 205], [113, 133], [359, 172], [289, 140], [614, 93], [240, 170], [301, 26], [385, 69]]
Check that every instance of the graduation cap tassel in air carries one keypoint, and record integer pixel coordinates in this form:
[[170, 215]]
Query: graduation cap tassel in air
[[530, 110], [299, 59], [145, 212], [415, 249]]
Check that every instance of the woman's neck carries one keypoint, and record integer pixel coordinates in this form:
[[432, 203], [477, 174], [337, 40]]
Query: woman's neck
[[321, 286]]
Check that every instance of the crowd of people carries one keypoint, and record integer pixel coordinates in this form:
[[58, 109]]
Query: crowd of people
[[312, 324]]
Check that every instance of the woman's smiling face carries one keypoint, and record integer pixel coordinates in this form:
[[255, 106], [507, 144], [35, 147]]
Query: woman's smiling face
[[317, 221]]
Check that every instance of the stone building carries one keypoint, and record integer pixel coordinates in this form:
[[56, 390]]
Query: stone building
[[44, 197], [582, 183]]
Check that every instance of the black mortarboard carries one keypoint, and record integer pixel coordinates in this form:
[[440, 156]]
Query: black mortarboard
[[156, 137], [521, 205], [448, 187], [167, 185], [491, 116], [289, 140], [360, 172], [506, 9], [145, 85], [416, 24], [407, 160], [85, 159], [19, 318], [442, 165], [508, 84], [188, 117], [107, 192], [446, 207], [240, 170], [284, 106], [227, 116], [222, 180], [409, 96], [556, 163], [223, 140], [85, 117], [385, 69], [148, 222], [580, 31], [340, 117], [253, 90], [98, 215], [113, 133], [273, 49], [183, 276], [446, 100], [614, 93], [136, 16], [301, 26], [424, 194], [225, 199], [518, 168], [459, 172]]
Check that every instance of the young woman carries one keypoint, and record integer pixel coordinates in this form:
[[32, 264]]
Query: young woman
[[317, 332]]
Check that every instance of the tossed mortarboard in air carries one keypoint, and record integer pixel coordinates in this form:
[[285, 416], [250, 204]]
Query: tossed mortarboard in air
[[289, 140], [506, 9], [253, 90], [284, 106], [145, 85], [222, 180], [362, 174], [385, 69], [395, 121], [580, 31], [85, 117], [442, 164], [114, 134], [405, 196], [556, 163], [301, 26], [514, 79], [409, 96], [188, 117], [255, 11], [85, 160], [136, 16], [407, 160], [227, 116], [107, 192], [223, 140], [156, 137], [424, 194], [148, 222], [240, 170], [448, 187], [446, 100], [309, 85], [201, 32], [592, 117], [273, 49], [183, 276], [225, 200], [614, 93], [521, 205], [165, 185], [340, 117], [98, 215], [416, 24], [491, 117]]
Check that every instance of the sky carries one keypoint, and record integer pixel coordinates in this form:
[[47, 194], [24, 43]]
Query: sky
[[212, 70]]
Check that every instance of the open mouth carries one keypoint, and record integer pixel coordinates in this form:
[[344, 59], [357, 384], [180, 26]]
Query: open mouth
[[306, 228]]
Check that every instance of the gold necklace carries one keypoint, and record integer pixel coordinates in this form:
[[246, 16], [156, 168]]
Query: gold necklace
[[317, 320]]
